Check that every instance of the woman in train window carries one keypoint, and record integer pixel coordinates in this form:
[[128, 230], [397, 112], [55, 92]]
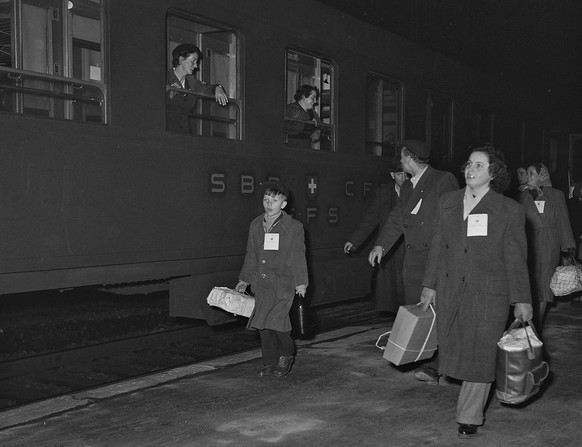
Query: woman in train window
[[302, 120], [549, 233], [186, 59], [476, 270]]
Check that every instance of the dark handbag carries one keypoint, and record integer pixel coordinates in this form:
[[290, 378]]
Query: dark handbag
[[300, 318], [520, 369]]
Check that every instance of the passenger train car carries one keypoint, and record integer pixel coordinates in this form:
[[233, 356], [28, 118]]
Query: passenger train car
[[96, 190]]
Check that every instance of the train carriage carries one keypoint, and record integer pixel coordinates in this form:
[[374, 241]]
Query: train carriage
[[98, 189]]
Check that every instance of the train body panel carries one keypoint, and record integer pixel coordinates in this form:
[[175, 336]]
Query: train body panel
[[126, 201]]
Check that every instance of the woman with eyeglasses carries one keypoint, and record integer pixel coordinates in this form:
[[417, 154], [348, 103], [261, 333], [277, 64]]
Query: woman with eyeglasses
[[476, 270]]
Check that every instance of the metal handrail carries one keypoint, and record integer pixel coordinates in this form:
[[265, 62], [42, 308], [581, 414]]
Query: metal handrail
[[49, 77], [218, 119], [202, 95], [40, 92]]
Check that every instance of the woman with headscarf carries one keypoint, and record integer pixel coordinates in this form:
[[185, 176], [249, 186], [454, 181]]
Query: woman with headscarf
[[548, 233]]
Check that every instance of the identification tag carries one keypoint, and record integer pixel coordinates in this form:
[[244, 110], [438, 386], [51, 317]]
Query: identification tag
[[477, 225], [540, 205], [271, 241], [417, 207]]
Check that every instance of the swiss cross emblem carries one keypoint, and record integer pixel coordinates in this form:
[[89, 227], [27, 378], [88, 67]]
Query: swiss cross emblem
[[312, 186]]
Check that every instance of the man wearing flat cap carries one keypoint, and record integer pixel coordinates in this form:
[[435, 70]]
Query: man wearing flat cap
[[414, 217], [389, 288]]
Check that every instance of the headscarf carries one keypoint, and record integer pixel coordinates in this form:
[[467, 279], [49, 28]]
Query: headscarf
[[543, 180]]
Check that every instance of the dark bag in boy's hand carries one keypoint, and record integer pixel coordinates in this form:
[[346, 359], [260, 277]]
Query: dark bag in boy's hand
[[300, 318], [520, 367]]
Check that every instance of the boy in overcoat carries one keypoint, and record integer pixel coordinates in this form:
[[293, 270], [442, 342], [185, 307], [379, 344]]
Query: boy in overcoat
[[276, 268]]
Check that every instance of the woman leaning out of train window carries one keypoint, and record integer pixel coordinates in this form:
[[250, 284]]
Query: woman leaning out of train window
[[301, 111], [548, 233], [186, 59]]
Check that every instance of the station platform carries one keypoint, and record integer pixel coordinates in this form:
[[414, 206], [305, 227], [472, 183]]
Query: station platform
[[341, 392]]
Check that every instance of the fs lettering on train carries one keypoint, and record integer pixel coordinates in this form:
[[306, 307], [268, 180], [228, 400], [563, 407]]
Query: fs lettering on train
[[247, 185]]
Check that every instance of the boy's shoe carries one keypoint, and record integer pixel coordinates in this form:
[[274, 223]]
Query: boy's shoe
[[266, 370], [428, 375], [284, 366]]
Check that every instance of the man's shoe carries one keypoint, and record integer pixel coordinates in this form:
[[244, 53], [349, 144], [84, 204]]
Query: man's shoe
[[467, 430], [428, 375], [284, 366], [266, 370]]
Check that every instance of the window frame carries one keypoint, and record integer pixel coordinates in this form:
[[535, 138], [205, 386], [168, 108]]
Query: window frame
[[235, 95], [331, 127], [400, 111], [62, 89], [448, 151]]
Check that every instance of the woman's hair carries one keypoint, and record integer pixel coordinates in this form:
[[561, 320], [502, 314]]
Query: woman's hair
[[543, 173], [304, 91], [184, 50], [500, 178]]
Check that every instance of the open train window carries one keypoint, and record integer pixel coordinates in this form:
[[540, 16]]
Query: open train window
[[384, 109], [51, 59], [439, 127], [309, 110], [483, 124], [193, 103]]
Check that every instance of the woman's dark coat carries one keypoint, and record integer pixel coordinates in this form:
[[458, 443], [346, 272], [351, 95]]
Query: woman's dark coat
[[547, 233], [476, 280], [179, 105], [274, 274]]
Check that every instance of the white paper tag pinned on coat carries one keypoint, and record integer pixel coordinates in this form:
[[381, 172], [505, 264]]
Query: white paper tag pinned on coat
[[271, 241], [477, 225], [540, 205], [417, 207]]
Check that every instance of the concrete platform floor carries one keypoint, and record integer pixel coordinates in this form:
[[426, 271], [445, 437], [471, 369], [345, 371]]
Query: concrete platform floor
[[341, 392]]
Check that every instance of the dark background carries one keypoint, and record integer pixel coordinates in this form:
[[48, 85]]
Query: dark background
[[537, 43]]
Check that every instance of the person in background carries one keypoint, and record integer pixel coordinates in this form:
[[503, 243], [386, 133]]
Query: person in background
[[521, 176], [389, 290], [414, 218], [303, 121], [549, 236], [476, 270], [186, 59], [575, 213], [276, 268], [521, 182]]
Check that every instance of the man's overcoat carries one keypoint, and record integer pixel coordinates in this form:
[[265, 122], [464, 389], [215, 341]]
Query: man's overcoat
[[414, 217], [389, 290]]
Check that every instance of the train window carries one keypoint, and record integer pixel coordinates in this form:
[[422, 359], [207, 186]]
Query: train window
[[309, 112], [193, 103], [483, 125], [384, 106], [51, 59], [439, 127]]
